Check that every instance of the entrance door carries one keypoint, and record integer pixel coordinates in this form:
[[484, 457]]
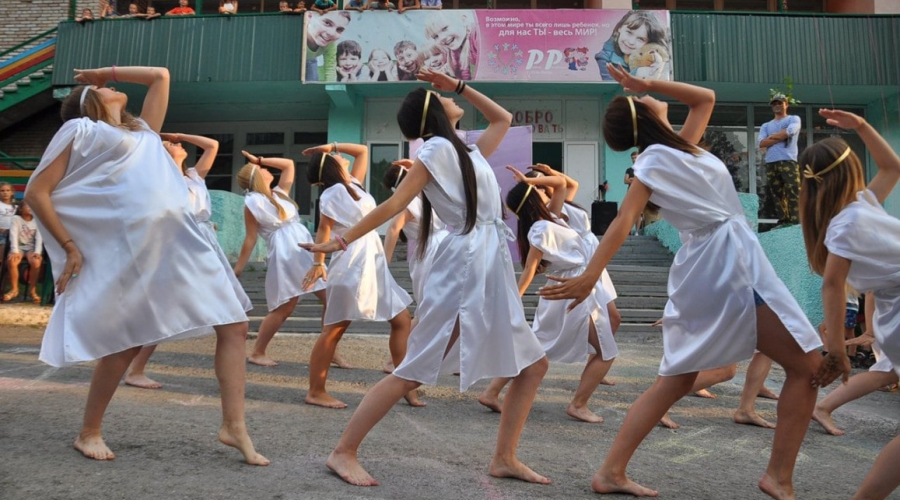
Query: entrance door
[[581, 165]]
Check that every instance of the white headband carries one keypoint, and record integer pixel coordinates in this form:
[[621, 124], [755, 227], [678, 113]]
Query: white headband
[[250, 182], [400, 174], [81, 101]]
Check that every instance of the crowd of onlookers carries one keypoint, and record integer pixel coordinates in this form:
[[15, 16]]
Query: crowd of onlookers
[[107, 8]]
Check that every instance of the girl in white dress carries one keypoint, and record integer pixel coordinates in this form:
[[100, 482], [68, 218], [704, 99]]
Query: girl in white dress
[[724, 296], [125, 247], [272, 214], [582, 335], [7, 210], [359, 284], [25, 242], [201, 207], [851, 239], [471, 320]]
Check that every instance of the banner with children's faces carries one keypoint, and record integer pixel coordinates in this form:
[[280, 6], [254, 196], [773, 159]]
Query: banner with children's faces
[[559, 46]]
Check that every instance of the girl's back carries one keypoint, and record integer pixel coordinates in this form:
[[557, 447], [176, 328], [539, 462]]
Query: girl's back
[[266, 214]]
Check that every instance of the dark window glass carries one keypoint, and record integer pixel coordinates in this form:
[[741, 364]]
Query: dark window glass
[[747, 5], [694, 5], [265, 138]]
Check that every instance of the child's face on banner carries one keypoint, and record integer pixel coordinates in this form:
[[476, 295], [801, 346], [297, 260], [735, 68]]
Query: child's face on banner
[[348, 62], [327, 28], [632, 40], [435, 61], [448, 34], [407, 58]]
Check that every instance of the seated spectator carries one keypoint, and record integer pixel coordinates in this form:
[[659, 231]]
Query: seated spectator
[[404, 5], [357, 5], [134, 11], [151, 13], [430, 4], [408, 62], [228, 6], [7, 210], [323, 6], [107, 9], [382, 5], [24, 241], [86, 15], [301, 7], [181, 10]]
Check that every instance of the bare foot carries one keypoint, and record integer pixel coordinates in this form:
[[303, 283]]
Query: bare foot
[[92, 446], [751, 418], [489, 400], [824, 419], [604, 484], [325, 400], [347, 467], [607, 381], [237, 437], [515, 470], [412, 398], [387, 367], [767, 393], [584, 414], [261, 360], [771, 487], [142, 381], [339, 361], [703, 393], [668, 423]]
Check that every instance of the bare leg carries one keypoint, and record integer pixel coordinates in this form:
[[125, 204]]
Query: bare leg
[[882, 479], [705, 379], [34, 266], [516, 407], [340, 362], [12, 266], [267, 329], [320, 361], [594, 371], [400, 328], [649, 408], [490, 397], [855, 388], [615, 320], [756, 378], [794, 408], [104, 382], [136, 376], [374, 406], [231, 342]]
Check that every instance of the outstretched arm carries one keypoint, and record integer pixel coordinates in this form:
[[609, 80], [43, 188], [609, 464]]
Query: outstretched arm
[[529, 269], [393, 234]]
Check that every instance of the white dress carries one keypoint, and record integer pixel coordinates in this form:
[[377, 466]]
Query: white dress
[[471, 280], [360, 286], [201, 207], [286, 263], [581, 223], [418, 267], [564, 334], [866, 235], [710, 318], [148, 274]]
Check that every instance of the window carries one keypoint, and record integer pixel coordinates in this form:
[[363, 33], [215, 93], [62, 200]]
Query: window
[[220, 175], [381, 156], [302, 189]]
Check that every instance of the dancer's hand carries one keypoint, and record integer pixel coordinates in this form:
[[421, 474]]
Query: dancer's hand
[[517, 175], [842, 119], [439, 81], [252, 158], [834, 365], [72, 267], [577, 288], [175, 138], [329, 246], [864, 340], [657, 322], [403, 162], [629, 82], [313, 275], [91, 77], [324, 148], [542, 168]]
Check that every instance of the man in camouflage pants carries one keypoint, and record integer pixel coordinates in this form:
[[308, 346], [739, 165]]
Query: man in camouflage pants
[[778, 138]]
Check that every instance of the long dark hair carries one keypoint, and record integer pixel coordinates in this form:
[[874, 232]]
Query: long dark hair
[[618, 131], [390, 181], [436, 124], [331, 173], [531, 211]]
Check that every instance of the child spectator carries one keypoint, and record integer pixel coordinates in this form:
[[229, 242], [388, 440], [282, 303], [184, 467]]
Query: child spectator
[[408, 5], [108, 9], [430, 4], [301, 7], [408, 62], [7, 210], [228, 6], [382, 5], [284, 7], [357, 5], [151, 12], [24, 241], [323, 6], [349, 62], [181, 10], [134, 11], [86, 15]]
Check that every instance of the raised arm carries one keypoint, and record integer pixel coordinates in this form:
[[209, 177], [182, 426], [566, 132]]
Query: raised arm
[[700, 101], [393, 234], [251, 227], [285, 165], [209, 146], [156, 102], [557, 183], [571, 184]]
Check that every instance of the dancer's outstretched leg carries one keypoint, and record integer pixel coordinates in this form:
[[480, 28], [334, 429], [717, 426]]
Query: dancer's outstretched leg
[[136, 376], [594, 372], [267, 330], [795, 407], [757, 372], [490, 396], [705, 379], [320, 362], [516, 406], [231, 341], [104, 382], [855, 388], [882, 479], [401, 325]]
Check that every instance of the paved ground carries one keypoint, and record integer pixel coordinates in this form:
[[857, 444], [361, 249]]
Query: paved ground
[[166, 444]]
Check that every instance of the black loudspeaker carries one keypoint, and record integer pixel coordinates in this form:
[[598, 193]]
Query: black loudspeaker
[[602, 215]]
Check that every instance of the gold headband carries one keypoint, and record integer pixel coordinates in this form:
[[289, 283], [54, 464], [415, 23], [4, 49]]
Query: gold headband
[[633, 118], [521, 203], [322, 165], [425, 112], [809, 174]]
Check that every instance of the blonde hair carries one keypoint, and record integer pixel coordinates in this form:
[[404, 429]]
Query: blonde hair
[[95, 109], [432, 25], [260, 186], [821, 200]]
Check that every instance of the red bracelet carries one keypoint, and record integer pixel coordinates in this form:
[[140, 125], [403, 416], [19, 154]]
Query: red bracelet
[[341, 241], [114, 74]]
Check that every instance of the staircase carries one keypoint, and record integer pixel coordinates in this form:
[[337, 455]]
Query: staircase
[[639, 270], [25, 73]]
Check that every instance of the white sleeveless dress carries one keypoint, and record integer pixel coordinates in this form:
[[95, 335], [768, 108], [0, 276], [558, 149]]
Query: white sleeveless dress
[[286, 263], [418, 267], [564, 334], [360, 286], [471, 280], [149, 275], [866, 235], [581, 223], [201, 207], [710, 318]]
